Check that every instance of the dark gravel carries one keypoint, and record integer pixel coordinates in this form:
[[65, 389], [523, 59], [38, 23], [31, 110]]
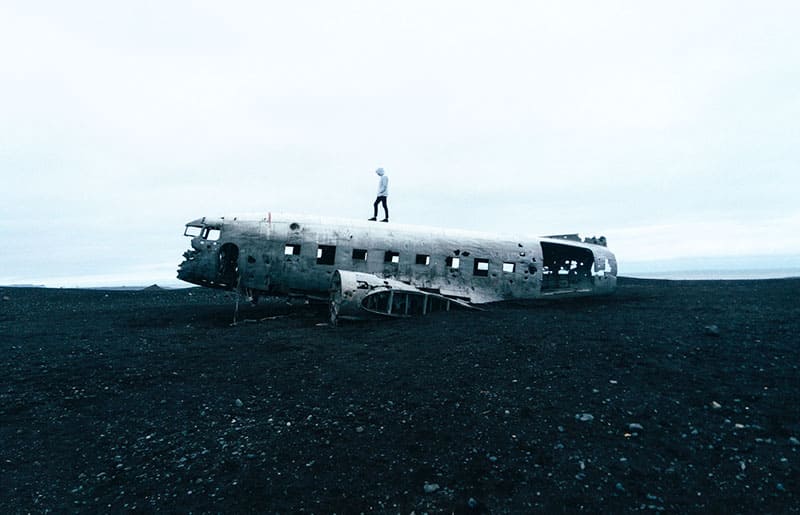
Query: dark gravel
[[668, 396]]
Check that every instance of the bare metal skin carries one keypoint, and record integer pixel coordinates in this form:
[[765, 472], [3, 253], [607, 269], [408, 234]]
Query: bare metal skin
[[393, 270]]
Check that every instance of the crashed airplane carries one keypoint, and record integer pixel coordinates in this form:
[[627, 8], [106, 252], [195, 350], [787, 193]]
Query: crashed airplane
[[365, 269]]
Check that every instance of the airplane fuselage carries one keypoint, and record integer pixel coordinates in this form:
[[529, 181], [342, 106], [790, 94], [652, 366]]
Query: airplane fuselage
[[285, 254]]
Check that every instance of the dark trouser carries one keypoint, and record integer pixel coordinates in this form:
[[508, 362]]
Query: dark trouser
[[380, 200]]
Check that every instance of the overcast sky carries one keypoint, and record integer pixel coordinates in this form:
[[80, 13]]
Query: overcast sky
[[672, 128]]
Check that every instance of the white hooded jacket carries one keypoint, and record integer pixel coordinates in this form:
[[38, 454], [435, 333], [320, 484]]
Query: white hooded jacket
[[383, 183]]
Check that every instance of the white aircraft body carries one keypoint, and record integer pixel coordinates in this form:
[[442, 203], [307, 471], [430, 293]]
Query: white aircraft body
[[369, 268]]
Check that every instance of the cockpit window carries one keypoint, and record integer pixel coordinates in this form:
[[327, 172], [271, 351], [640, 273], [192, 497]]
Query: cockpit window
[[193, 231], [202, 231]]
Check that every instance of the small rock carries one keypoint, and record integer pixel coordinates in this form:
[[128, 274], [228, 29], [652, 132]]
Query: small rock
[[794, 441], [6, 298], [360, 429], [472, 503], [239, 403], [430, 488], [716, 405], [584, 417], [635, 427], [780, 487], [619, 487], [711, 330]]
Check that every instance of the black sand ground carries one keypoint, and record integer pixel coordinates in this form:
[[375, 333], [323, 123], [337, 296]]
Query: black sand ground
[[144, 401]]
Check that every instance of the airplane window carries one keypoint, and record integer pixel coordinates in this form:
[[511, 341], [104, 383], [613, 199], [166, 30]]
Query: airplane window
[[192, 231], [481, 267], [291, 250], [326, 254], [508, 267], [211, 234], [423, 259], [391, 257], [359, 254], [452, 262]]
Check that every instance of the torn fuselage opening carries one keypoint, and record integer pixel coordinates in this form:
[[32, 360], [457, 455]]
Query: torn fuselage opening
[[566, 267], [228, 271]]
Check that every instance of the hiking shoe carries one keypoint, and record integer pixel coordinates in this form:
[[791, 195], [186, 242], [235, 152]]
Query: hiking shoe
[[371, 219], [385, 220]]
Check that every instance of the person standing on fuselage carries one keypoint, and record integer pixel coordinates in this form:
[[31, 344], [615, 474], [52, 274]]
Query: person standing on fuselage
[[383, 192]]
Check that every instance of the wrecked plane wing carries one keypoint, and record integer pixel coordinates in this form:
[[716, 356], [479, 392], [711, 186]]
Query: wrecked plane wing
[[366, 269], [355, 295]]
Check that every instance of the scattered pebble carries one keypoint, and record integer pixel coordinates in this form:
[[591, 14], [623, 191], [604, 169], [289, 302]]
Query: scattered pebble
[[716, 405], [472, 503], [711, 330], [360, 429], [794, 441], [584, 417], [239, 403], [430, 488], [635, 427]]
